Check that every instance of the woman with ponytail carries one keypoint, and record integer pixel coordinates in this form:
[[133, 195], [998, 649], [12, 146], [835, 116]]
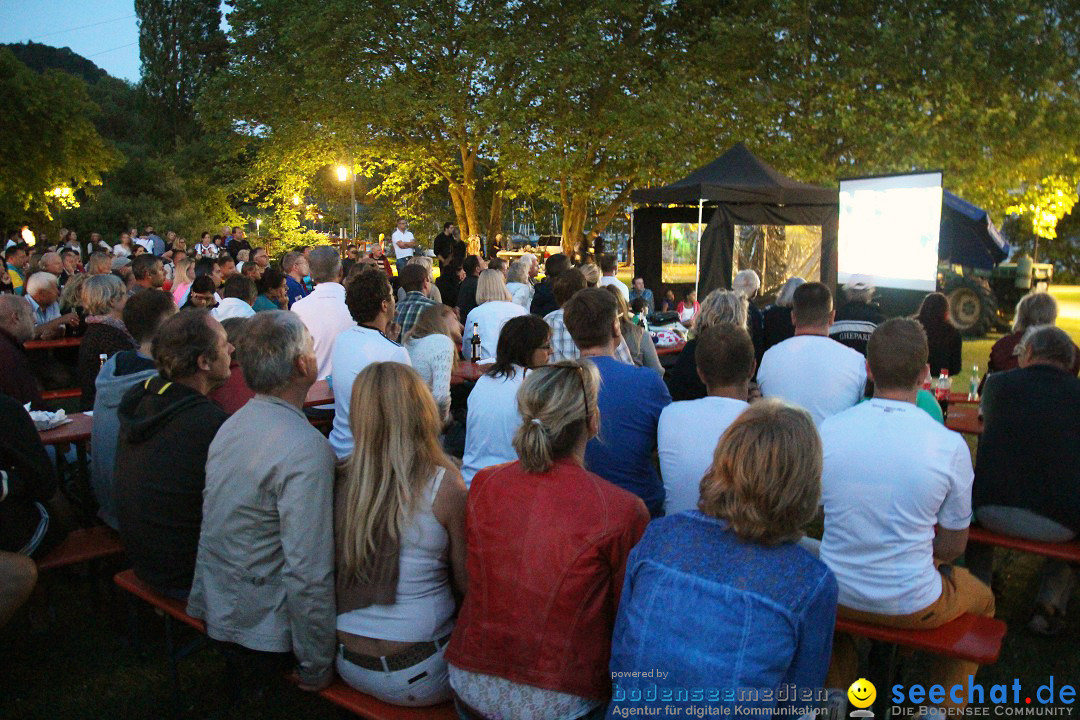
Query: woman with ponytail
[[547, 546], [399, 528]]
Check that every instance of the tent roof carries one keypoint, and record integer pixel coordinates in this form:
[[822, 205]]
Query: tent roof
[[738, 176]]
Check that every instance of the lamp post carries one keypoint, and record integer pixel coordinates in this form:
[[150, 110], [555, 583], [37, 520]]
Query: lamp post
[[343, 173], [258, 224]]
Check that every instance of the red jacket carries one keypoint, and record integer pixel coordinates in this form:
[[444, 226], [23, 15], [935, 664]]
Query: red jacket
[[546, 557]]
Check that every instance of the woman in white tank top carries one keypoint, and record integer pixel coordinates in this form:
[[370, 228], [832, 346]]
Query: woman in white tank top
[[399, 520]]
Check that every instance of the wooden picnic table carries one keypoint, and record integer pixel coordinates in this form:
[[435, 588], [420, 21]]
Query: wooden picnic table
[[77, 431], [321, 394], [64, 342], [964, 418], [672, 350]]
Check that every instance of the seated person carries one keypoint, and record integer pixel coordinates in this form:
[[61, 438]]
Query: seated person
[[896, 488], [811, 369], [166, 425], [104, 297], [856, 319], [547, 545], [264, 579], [543, 301], [143, 314], [16, 327], [414, 281], [689, 429], [43, 295], [493, 417], [640, 291], [18, 576], [771, 604], [29, 494], [494, 306], [720, 306], [238, 298], [232, 395], [1026, 482], [631, 400], [397, 551], [1035, 308]]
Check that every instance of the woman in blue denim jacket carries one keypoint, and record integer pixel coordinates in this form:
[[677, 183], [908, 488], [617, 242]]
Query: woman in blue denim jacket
[[721, 605]]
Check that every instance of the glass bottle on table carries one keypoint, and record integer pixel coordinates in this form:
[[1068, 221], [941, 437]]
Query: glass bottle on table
[[973, 385], [942, 391], [475, 342]]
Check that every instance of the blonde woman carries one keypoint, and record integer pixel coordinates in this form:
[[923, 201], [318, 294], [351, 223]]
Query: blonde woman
[[772, 604], [183, 276], [432, 344], [719, 306], [517, 282], [433, 292], [547, 544], [494, 306], [399, 529], [637, 339], [104, 297]]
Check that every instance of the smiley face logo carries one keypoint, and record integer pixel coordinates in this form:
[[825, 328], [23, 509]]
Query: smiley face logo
[[862, 693]]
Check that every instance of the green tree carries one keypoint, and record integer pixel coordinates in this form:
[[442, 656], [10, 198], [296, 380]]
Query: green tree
[[51, 153], [181, 45]]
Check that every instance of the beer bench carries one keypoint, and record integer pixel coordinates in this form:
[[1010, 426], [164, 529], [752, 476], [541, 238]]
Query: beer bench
[[81, 546], [65, 394], [338, 693], [1067, 551], [968, 637]]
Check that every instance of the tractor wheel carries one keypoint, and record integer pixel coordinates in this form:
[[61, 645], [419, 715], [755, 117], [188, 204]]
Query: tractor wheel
[[972, 307]]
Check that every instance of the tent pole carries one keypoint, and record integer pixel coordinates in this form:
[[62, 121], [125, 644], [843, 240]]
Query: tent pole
[[630, 250], [697, 267]]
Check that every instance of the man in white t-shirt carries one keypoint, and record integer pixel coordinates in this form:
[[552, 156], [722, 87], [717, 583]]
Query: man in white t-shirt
[[896, 489], [689, 430], [323, 311], [403, 243], [811, 370], [609, 265], [371, 303]]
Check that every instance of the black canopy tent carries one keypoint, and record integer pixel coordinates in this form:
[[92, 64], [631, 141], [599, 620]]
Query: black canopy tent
[[735, 189]]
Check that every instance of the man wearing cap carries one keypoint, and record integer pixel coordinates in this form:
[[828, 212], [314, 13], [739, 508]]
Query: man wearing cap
[[857, 318]]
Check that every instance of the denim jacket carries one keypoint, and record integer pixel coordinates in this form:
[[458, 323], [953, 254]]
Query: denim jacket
[[717, 615]]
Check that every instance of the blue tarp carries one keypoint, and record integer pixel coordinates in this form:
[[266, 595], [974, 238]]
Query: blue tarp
[[968, 237]]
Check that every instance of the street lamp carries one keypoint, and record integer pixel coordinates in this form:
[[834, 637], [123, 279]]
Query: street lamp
[[258, 223], [343, 173]]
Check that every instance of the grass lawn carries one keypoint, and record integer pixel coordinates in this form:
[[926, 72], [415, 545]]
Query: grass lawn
[[80, 663]]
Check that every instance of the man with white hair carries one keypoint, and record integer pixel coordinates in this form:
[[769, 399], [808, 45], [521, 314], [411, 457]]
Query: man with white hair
[[856, 319], [268, 524], [43, 294], [52, 264], [324, 311]]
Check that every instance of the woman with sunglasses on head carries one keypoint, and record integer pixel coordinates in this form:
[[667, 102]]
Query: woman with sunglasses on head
[[493, 417], [547, 543]]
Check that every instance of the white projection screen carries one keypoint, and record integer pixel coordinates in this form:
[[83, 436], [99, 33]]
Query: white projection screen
[[889, 230]]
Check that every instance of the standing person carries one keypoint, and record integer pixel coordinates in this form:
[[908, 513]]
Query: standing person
[[432, 343], [811, 369], [494, 308], [689, 429], [609, 265], [1026, 484], [631, 400], [167, 422], [945, 341], [858, 316], [399, 512], [493, 416], [295, 267], [104, 298], [324, 311], [371, 303], [466, 299], [443, 245], [544, 295], [264, 578], [762, 487], [142, 316], [543, 528], [896, 489], [404, 244]]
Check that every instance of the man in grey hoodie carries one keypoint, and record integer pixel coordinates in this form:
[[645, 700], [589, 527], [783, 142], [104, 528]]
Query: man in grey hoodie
[[143, 315]]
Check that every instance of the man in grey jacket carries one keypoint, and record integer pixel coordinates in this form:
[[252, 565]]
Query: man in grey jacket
[[143, 315], [264, 575]]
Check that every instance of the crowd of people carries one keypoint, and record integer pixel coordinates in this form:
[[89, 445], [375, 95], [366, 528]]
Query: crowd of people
[[597, 503]]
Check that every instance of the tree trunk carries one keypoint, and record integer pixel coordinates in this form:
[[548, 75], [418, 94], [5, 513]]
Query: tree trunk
[[459, 211], [468, 192], [574, 215], [494, 226]]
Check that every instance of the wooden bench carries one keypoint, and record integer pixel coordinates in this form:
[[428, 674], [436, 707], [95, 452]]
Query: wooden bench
[[338, 693], [65, 394], [81, 546], [1067, 551], [968, 637]]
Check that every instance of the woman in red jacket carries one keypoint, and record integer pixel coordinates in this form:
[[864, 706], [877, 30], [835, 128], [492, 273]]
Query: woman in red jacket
[[547, 543]]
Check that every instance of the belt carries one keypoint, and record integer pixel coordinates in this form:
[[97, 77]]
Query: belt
[[392, 663]]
